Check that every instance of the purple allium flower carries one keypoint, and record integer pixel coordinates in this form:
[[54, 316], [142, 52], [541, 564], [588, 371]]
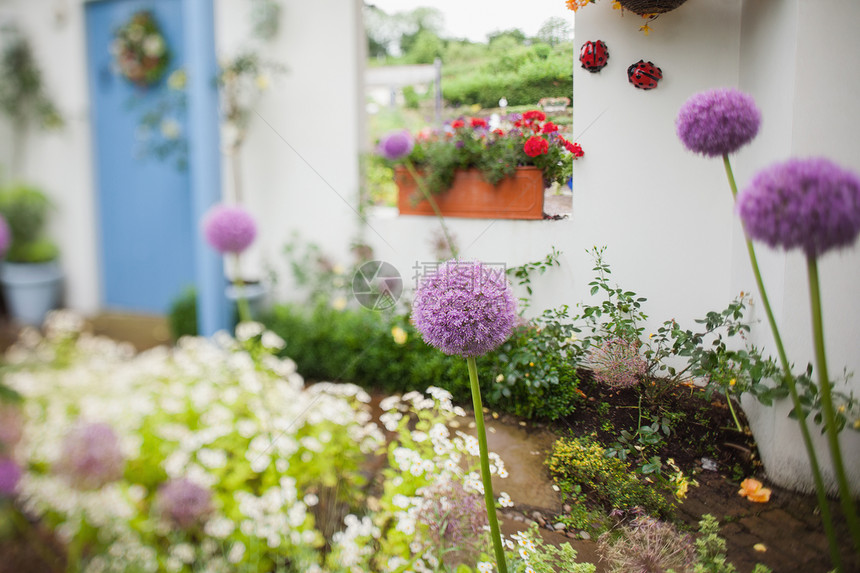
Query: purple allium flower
[[10, 474], [617, 363], [91, 456], [184, 503], [396, 145], [229, 228], [813, 204], [464, 308], [5, 236], [718, 122]]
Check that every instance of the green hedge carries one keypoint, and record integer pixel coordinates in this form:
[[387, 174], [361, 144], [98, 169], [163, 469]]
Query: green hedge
[[358, 346], [531, 81]]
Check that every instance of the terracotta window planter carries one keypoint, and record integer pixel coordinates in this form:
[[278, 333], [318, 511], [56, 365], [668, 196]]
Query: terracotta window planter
[[517, 197]]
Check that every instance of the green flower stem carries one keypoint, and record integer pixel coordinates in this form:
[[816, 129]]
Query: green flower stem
[[419, 182], [732, 410], [241, 302], [820, 490], [845, 498], [489, 499]]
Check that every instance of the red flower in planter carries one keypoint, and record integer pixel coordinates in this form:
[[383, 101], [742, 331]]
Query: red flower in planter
[[549, 127], [478, 122], [534, 115], [535, 146], [457, 124]]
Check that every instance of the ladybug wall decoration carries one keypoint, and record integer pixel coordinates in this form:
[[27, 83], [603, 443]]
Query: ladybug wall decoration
[[644, 75], [594, 55]]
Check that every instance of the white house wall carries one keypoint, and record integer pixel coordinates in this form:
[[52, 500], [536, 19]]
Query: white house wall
[[796, 57], [60, 162], [300, 174]]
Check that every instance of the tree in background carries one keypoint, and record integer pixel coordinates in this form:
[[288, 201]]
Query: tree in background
[[555, 31]]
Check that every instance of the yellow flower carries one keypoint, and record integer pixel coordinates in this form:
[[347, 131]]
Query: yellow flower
[[616, 5], [857, 424], [262, 81], [732, 382], [531, 363], [841, 409], [399, 335], [753, 490], [500, 378], [339, 303], [760, 547]]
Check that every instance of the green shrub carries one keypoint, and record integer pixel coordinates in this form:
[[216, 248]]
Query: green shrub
[[183, 314], [360, 346], [580, 466], [26, 211], [411, 97]]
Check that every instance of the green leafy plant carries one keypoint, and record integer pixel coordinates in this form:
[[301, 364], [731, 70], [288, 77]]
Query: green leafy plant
[[580, 465], [711, 550], [540, 557], [523, 275], [22, 93], [469, 143], [26, 209]]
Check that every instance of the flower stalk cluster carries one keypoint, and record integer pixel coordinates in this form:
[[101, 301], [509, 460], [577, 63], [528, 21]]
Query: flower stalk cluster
[[811, 204]]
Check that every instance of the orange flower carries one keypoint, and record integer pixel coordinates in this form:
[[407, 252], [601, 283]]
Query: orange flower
[[753, 490]]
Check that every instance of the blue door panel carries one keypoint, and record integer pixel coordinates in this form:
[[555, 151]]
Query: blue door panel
[[146, 229]]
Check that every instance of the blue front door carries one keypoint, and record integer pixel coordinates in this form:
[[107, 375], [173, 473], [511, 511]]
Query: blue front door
[[146, 229]]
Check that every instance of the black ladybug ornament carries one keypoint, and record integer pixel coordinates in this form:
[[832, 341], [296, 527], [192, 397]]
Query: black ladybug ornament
[[594, 55], [644, 75]]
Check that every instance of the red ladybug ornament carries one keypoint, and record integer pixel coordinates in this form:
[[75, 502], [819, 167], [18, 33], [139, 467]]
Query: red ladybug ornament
[[644, 75], [594, 55]]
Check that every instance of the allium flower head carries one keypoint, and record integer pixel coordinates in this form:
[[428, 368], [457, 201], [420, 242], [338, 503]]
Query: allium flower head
[[91, 456], [5, 236], [464, 308], [10, 475], [813, 204], [184, 503], [617, 363], [396, 145], [718, 122], [229, 228]]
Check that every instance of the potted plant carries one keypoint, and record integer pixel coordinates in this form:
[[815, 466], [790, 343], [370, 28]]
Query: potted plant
[[30, 273], [475, 171]]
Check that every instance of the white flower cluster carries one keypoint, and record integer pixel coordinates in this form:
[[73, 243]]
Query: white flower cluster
[[224, 413], [425, 459]]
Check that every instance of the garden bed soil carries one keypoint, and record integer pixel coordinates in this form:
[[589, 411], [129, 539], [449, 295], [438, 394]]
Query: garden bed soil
[[785, 533]]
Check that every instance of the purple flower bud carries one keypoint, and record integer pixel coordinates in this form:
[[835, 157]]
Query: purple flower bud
[[718, 122], [229, 229], [10, 475], [91, 456], [396, 145], [464, 308], [813, 204], [184, 503], [5, 236]]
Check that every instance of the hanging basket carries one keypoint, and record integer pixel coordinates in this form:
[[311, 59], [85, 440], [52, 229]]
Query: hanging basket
[[643, 7]]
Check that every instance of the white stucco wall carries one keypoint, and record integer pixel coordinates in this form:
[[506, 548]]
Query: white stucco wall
[[665, 214], [807, 106], [300, 174], [60, 162]]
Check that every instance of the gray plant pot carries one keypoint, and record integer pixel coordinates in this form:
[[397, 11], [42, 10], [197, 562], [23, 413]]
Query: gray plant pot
[[31, 290], [254, 293]]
